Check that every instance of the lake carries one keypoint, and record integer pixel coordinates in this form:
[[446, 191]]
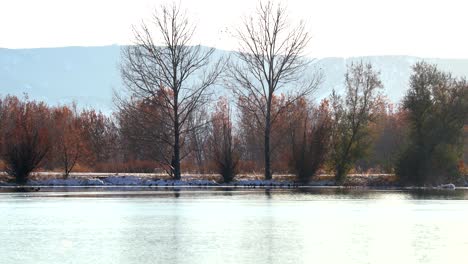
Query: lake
[[317, 225]]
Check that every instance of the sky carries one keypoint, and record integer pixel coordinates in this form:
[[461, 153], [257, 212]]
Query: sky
[[341, 28]]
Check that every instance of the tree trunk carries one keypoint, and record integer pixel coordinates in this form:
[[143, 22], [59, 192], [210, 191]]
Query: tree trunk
[[198, 154], [176, 158], [65, 163], [340, 175], [268, 175], [176, 161]]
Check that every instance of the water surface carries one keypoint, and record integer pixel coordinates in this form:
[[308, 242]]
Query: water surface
[[233, 226]]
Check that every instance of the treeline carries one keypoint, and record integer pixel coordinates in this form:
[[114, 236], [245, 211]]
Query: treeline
[[269, 123], [422, 140], [34, 135]]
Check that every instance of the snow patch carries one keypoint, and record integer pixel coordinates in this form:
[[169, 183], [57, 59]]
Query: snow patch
[[199, 183], [2, 183], [449, 186], [94, 182], [145, 181], [58, 182], [263, 183], [123, 180]]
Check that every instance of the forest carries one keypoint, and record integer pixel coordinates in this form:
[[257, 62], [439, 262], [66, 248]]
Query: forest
[[268, 122]]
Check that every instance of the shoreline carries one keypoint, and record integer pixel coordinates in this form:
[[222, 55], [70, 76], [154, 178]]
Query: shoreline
[[223, 187], [109, 181], [240, 187]]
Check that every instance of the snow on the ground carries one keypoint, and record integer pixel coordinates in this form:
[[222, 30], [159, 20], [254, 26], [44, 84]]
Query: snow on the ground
[[138, 181], [266, 183], [449, 186], [58, 182], [2, 183], [125, 180], [146, 181]]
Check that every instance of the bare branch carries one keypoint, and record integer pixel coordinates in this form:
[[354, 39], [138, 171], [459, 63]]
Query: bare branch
[[270, 59], [169, 75]]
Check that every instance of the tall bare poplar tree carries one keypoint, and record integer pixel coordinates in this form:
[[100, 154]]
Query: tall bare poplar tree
[[270, 61], [164, 69]]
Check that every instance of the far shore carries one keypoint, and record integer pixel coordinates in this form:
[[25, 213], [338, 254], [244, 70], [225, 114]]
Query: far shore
[[79, 179]]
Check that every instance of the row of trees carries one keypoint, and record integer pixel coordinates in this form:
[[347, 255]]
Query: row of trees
[[271, 82], [163, 118], [164, 71], [34, 135], [422, 141]]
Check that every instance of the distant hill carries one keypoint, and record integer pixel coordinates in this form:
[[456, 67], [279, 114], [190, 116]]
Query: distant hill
[[88, 75]]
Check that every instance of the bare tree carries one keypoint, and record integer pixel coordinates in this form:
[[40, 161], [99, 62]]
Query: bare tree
[[145, 132], [270, 57], [100, 134], [197, 138], [69, 144], [163, 64]]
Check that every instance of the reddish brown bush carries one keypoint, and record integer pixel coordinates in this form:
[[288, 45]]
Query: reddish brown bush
[[223, 145], [26, 136], [309, 134], [135, 166]]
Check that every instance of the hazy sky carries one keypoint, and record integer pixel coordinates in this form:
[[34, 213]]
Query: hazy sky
[[430, 28]]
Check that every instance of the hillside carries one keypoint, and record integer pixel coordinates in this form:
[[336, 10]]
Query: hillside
[[88, 75]]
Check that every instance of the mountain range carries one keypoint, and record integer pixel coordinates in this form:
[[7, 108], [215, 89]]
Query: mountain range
[[88, 75]]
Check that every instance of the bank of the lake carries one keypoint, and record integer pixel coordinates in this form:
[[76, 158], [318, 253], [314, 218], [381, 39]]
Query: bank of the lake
[[37, 180]]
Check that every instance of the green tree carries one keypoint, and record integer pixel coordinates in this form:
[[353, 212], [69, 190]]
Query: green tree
[[351, 117], [437, 106]]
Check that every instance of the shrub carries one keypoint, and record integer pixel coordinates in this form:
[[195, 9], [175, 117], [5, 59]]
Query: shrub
[[26, 129]]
